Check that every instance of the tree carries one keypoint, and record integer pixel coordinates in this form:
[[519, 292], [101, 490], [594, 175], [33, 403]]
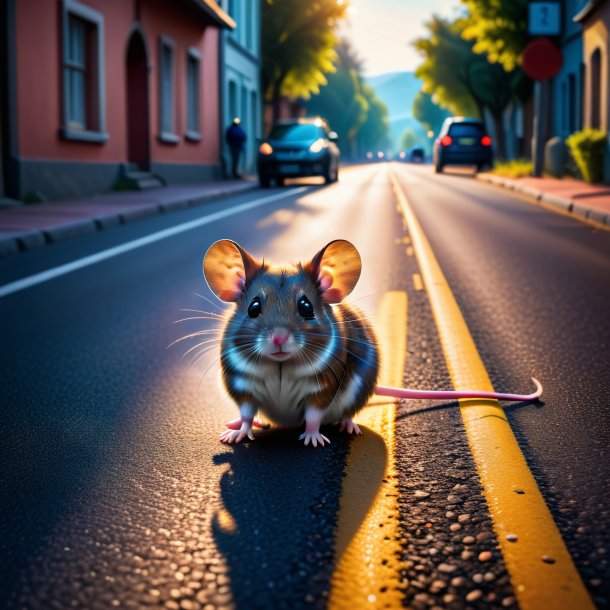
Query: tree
[[462, 80], [408, 140], [350, 105], [298, 46], [429, 114], [499, 30], [374, 130]]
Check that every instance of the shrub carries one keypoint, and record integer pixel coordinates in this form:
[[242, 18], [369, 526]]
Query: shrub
[[587, 148], [513, 169]]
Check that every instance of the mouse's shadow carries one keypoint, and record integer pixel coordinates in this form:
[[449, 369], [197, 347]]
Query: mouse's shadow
[[280, 508]]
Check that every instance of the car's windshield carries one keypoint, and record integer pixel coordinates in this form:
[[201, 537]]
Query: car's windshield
[[466, 129], [295, 132]]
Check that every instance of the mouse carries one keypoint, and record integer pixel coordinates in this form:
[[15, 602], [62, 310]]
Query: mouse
[[294, 350]]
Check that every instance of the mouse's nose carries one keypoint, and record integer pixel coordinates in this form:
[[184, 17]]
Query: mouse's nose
[[279, 336]]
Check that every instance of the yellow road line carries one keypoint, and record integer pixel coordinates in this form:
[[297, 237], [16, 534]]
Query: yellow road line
[[367, 544], [540, 567], [417, 283]]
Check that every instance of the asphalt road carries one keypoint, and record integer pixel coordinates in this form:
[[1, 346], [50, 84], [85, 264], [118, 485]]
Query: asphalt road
[[116, 492]]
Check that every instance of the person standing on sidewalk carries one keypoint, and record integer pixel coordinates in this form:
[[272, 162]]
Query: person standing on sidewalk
[[235, 137]]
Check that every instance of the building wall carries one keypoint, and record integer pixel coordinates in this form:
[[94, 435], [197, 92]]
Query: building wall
[[596, 30], [596, 36], [241, 78], [161, 18], [58, 167], [568, 108]]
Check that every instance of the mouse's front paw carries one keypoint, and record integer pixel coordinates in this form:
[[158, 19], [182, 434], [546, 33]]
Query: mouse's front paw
[[236, 436], [314, 437]]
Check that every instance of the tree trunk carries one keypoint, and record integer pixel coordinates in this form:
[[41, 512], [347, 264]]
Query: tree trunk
[[500, 136]]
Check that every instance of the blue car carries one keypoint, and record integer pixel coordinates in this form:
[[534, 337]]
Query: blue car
[[462, 142], [296, 148]]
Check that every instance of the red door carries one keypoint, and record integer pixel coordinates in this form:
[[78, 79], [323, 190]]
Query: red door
[[138, 145]]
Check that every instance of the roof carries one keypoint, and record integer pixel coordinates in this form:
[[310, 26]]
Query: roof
[[212, 14], [587, 10]]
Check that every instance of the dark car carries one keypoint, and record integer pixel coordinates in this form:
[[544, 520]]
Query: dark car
[[462, 142], [416, 154], [296, 148]]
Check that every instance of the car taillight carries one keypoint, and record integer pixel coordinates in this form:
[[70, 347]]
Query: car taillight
[[446, 141], [318, 146], [265, 148], [486, 141]]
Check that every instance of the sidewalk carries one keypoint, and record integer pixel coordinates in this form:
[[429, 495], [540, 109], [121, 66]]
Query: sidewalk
[[33, 225], [590, 202]]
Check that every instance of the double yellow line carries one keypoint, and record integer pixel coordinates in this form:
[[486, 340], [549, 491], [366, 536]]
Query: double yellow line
[[541, 570]]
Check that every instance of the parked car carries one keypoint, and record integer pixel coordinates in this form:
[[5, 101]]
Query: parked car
[[462, 141], [296, 148]]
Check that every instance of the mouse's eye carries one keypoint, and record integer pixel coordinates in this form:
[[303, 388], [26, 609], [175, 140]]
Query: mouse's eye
[[255, 308], [305, 308]]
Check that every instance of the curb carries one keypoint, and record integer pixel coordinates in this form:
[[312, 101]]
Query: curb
[[104, 218], [561, 204]]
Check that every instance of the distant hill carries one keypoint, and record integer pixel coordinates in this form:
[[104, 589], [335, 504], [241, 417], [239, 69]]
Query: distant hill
[[397, 90]]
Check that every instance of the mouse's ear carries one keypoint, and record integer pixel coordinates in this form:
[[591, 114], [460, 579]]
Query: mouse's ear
[[337, 269], [227, 268]]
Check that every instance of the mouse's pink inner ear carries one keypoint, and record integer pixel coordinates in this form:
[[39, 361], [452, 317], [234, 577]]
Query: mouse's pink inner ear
[[337, 267], [227, 267]]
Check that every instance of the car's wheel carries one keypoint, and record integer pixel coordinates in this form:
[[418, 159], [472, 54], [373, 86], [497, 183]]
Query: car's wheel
[[438, 168], [264, 181], [331, 175]]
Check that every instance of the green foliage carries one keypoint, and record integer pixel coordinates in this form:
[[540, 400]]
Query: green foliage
[[445, 68], [587, 148], [514, 169], [374, 130], [499, 29], [350, 105], [429, 114], [409, 139], [462, 80], [298, 45]]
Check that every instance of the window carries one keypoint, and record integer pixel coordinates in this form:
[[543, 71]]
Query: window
[[254, 115], [596, 62], [571, 103], [193, 63], [232, 100], [83, 74], [167, 133]]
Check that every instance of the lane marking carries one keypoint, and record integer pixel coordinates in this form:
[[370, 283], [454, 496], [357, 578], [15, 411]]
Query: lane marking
[[367, 543], [49, 274], [515, 503], [417, 282]]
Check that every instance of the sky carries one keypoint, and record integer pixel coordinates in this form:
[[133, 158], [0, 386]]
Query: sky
[[381, 31]]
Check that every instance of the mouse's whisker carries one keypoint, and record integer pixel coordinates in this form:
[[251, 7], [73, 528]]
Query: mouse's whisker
[[212, 303], [197, 318], [212, 314], [200, 344], [199, 333]]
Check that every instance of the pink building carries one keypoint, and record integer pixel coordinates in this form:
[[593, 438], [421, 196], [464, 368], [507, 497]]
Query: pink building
[[94, 90]]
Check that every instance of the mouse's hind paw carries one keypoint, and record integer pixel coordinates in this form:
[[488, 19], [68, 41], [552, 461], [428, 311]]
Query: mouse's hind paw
[[350, 426]]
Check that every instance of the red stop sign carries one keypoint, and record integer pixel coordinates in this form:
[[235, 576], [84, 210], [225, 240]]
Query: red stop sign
[[542, 59]]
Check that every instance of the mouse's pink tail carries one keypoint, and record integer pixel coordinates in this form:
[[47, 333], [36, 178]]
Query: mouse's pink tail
[[419, 394]]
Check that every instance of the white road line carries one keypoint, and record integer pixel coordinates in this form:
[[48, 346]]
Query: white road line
[[39, 278]]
